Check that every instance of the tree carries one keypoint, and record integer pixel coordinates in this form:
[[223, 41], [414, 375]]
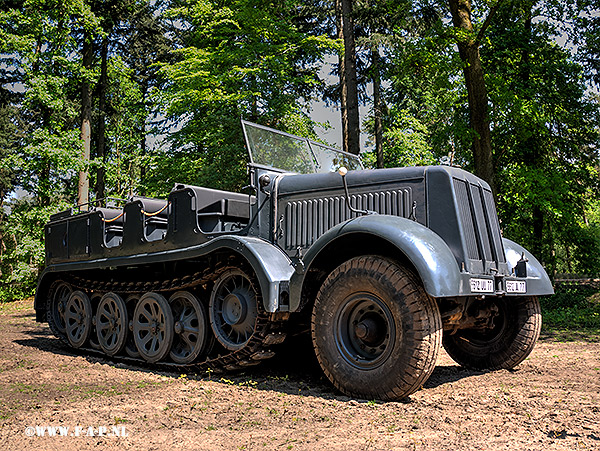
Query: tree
[[545, 136], [235, 60], [348, 77], [469, 41]]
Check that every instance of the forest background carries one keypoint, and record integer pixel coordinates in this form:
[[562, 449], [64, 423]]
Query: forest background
[[130, 96]]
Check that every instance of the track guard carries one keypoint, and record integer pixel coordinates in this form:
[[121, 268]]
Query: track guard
[[271, 265]]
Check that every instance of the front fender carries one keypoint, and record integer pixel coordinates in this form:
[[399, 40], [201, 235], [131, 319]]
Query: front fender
[[538, 282], [429, 254]]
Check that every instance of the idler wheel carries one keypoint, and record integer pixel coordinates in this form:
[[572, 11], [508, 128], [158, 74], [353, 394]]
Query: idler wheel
[[233, 309]]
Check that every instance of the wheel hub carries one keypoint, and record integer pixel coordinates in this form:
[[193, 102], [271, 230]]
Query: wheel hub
[[78, 318], [191, 339], [234, 309], [178, 327], [367, 330]]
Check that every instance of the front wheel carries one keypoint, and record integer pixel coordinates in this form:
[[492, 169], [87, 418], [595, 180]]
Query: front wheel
[[375, 330], [514, 333]]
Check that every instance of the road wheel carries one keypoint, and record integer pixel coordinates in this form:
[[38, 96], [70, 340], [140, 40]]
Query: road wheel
[[95, 299], [191, 328], [130, 347], [78, 318], [515, 332], [153, 327], [57, 304], [112, 323], [375, 331]]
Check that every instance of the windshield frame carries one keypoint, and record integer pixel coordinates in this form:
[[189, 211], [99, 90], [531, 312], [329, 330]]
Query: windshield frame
[[311, 145]]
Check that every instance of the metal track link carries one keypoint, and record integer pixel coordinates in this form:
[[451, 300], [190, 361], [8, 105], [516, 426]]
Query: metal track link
[[268, 330]]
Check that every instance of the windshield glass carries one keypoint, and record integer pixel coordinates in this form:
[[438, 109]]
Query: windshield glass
[[270, 147]]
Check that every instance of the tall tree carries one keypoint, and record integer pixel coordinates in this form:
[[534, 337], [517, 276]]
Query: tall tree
[[86, 119], [348, 77], [469, 41]]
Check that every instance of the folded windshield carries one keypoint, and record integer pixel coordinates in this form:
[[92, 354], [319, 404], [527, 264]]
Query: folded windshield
[[270, 147]]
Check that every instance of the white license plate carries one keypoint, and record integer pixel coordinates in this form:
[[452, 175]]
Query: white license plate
[[482, 286], [516, 286]]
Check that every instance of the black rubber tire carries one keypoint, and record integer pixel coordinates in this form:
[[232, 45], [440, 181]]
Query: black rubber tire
[[517, 329], [409, 329], [112, 324]]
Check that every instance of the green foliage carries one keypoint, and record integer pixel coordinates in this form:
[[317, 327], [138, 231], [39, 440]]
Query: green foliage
[[405, 143], [188, 70], [125, 131], [22, 251], [237, 60], [545, 134], [425, 73], [573, 307], [41, 73]]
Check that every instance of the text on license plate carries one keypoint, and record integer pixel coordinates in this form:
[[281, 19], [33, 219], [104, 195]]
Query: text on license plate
[[482, 286], [516, 286]]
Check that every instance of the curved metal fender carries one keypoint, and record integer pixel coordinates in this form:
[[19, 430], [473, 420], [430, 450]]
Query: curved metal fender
[[538, 282], [272, 266], [427, 251]]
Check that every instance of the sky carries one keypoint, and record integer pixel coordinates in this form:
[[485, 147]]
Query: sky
[[320, 112]]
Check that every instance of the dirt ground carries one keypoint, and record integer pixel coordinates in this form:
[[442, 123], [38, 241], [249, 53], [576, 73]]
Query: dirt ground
[[550, 402]]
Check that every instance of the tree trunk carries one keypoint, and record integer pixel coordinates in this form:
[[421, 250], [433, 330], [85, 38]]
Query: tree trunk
[[468, 48], [378, 107], [348, 78], [86, 114], [101, 139]]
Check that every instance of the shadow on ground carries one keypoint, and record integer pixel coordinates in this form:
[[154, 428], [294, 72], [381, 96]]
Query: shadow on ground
[[294, 369]]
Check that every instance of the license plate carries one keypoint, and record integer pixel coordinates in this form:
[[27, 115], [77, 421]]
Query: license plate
[[516, 286], [482, 286]]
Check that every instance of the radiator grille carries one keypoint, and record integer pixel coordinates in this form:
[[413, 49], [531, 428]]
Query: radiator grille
[[480, 223], [306, 220]]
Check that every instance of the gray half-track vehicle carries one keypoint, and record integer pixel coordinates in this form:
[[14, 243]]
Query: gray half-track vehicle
[[386, 264]]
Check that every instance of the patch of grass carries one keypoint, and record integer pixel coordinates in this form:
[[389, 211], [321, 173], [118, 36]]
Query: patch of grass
[[28, 388], [15, 306], [572, 313]]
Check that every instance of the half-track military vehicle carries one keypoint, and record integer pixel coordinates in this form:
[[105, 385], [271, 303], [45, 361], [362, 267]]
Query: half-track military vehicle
[[388, 265]]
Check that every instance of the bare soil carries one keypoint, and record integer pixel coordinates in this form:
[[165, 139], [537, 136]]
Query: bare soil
[[550, 402]]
